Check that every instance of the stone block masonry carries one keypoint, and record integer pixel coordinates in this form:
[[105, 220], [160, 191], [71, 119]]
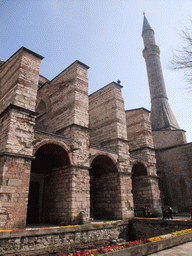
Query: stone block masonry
[[64, 155], [55, 239], [139, 129], [66, 100], [19, 79], [174, 168], [107, 114], [15, 176], [108, 129], [145, 184]]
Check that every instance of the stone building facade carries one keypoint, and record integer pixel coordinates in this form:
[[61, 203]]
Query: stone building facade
[[66, 156]]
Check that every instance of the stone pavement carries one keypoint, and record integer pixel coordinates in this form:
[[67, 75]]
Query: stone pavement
[[180, 250]]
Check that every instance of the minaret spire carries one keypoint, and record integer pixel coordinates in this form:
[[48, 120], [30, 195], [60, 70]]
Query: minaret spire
[[162, 117], [146, 25]]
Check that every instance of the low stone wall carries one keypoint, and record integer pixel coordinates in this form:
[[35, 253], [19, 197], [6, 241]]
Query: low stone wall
[[56, 240], [146, 228], [153, 247], [53, 239]]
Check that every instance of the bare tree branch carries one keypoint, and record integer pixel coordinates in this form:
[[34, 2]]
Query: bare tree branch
[[182, 58]]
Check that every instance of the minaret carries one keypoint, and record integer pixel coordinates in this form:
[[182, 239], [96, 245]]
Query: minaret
[[162, 117]]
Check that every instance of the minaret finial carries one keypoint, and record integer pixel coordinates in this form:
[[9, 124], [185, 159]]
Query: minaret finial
[[144, 13]]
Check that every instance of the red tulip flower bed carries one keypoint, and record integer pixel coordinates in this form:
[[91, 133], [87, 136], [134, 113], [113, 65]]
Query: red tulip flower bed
[[107, 249]]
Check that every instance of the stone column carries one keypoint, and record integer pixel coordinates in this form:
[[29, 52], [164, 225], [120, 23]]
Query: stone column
[[156, 199], [126, 195], [80, 194]]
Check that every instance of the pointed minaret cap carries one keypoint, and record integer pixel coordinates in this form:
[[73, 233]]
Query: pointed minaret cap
[[146, 25]]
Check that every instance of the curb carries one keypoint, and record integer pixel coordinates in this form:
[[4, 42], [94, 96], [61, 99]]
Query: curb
[[153, 247]]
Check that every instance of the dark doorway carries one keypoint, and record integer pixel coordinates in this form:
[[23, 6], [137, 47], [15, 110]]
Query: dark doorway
[[33, 203], [50, 158]]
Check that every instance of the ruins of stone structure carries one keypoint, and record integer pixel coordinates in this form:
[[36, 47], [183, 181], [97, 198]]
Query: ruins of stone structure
[[67, 156]]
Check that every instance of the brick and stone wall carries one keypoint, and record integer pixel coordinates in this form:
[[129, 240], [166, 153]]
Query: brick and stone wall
[[174, 167], [145, 183], [57, 197], [77, 139], [66, 99], [107, 196], [107, 115], [66, 196], [139, 131], [37, 241], [14, 191], [147, 228], [140, 138], [66, 113], [19, 79], [59, 240], [108, 129], [163, 139], [80, 201]]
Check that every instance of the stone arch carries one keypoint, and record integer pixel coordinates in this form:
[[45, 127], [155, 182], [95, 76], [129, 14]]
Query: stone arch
[[139, 169], [105, 192], [140, 186], [48, 157], [55, 142], [47, 171], [43, 107], [92, 157], [46, 101]]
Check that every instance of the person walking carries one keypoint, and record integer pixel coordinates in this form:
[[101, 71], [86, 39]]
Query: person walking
[[144, 211], [170, 212], [148, 212], [135, 212], [166, 213]]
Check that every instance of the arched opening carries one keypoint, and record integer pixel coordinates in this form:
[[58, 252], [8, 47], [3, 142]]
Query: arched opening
[[140, 187], [41, 108], [44, 186], [105, 193], [41, 117]]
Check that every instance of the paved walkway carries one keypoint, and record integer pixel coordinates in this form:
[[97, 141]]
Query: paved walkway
[[180, 250]]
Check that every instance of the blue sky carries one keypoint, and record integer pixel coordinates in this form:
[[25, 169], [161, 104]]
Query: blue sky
[[105, 35]]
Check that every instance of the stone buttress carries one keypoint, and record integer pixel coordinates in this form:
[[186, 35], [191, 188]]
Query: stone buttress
[[108, 130], [64, 101], [19, 77], [144, 174]]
